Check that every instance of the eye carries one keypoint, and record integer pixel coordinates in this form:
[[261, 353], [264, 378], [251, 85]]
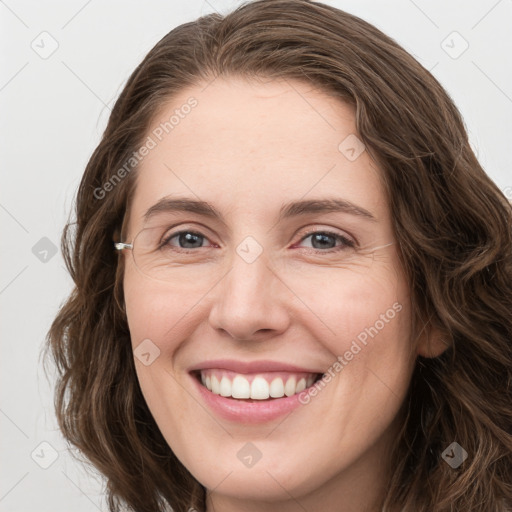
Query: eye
[[325, 241], [321, 241], [185, 240]]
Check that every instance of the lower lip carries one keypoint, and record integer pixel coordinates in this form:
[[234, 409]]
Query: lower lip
[[248, 412]]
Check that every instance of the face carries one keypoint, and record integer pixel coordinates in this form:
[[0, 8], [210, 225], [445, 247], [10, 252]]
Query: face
[[290, 272]]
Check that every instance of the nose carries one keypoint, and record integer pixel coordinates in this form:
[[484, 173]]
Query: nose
[[250, 302]]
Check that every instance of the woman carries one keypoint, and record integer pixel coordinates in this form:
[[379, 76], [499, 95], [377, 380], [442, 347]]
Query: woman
[[293, 280]]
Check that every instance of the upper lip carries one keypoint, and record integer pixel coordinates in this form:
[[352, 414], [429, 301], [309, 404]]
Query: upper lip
[[250, 366]]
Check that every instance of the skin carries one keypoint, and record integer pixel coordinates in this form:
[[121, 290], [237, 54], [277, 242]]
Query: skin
[[247, 148]]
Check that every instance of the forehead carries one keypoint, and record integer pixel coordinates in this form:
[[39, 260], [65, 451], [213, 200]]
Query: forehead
[[249, 147]]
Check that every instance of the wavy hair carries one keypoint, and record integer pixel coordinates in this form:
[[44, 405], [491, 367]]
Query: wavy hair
[[452, 224]]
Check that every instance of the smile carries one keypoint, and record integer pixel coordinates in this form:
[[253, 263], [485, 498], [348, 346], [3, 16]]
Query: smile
[[260, 386], [251, 392]]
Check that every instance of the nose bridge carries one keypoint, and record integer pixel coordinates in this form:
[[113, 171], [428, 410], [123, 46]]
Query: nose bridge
[[249, 298], [250, 274]]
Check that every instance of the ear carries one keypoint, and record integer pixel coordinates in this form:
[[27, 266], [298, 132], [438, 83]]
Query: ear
[[432, 342]]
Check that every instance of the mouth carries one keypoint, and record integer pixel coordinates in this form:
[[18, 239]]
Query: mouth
[[253, 392], [255, 387]]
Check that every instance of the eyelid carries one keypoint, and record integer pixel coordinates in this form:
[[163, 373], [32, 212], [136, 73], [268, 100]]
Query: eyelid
[[348, 241], [331, 232], [168, 237], [169, 232]]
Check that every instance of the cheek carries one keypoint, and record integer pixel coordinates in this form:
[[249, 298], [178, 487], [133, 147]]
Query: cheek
[[363, 389], [157, 310], [365, 325], [157, 320], [358, 302]]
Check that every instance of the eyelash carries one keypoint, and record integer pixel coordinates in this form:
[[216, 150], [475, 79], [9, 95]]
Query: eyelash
[[347, 242]]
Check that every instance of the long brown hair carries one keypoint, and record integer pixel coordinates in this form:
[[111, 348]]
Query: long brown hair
[[452, 224]]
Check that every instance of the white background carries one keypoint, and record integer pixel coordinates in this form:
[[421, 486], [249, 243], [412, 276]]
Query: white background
[[53, 111]]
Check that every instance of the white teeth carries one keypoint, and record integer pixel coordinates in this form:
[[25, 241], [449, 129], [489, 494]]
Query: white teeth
[[215, 385], [301, 385], [240, 387], [225, 387], [289, 388], [259, 389], [277, 388]]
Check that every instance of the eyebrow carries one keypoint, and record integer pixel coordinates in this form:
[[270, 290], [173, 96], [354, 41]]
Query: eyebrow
[[292, 209], [167, 205], [306, 207]]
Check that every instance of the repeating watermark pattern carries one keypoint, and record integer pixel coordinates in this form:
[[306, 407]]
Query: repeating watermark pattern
[[44, 250], [147, 352], [44, 455], [454, 455], [352, 147], [454, 45], [342, 361], [249, 455], [249, 249], [45, 45], [151, 142], [47, 48]]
